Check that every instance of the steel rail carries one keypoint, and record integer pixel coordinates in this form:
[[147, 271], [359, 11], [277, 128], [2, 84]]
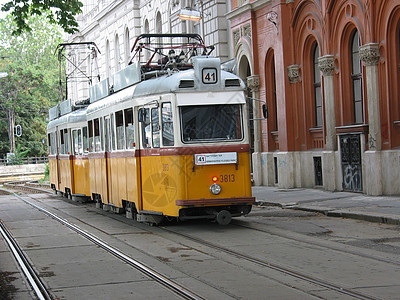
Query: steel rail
[[30, 274], [276, 267], [168, 283], [248, 225]]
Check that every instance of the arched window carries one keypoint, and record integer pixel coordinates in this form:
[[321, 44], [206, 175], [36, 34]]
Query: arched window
[[146, 31], [158, 23], [127, 46], [159, 29], [318, 109], [146, 27], [117, 54], [271, 100], [356, 77], [108, 59]]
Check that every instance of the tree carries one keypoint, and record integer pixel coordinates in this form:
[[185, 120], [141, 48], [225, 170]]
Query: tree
[[59, 12], [30, 88]]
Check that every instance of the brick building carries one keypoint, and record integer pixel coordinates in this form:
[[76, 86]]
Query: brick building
[[329, 72]]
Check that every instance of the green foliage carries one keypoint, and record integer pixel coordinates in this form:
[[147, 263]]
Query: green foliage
[[59, 12], [31, 86], [46, 178], [18, 157]]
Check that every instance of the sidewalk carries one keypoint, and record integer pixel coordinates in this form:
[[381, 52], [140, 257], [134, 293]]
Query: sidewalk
[[382, 209]]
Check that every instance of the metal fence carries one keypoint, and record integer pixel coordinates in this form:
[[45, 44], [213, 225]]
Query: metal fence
[[23, 161]]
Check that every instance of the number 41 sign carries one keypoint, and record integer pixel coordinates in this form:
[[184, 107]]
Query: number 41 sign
[[209, 75], [215, 158]]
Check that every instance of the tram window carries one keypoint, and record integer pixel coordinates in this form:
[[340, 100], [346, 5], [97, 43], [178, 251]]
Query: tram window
[[66, 142], [85, 139], [155, 127], [49, 143], [62, 149], [106, 134], [129, 129], [167, 124], [97, 143], [53, 143], [101, 130], [211, 123], [90, 126], [146, 131], [77, 142], [112, 132], [119, 122]]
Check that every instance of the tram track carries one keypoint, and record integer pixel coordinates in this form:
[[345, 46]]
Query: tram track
[[33, 279], [176, 288], [324, 244], [276, 267]]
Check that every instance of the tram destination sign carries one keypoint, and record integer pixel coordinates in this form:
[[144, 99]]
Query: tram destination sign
[[215, 158]]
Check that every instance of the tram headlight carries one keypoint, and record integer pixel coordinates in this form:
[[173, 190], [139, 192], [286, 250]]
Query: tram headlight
[[215, 188]]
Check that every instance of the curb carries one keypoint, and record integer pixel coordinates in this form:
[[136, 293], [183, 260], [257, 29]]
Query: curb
[[337, 213]]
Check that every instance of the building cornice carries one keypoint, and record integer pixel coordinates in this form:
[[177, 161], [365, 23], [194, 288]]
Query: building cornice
[[247, 8]]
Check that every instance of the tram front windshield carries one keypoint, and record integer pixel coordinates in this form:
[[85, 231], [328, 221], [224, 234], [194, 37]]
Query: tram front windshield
[[210, 123]]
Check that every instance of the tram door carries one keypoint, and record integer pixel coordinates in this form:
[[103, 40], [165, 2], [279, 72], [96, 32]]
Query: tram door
[[150, 160], [58, 151], [107, 148]]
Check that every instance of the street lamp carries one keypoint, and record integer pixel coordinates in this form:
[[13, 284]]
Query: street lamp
[[189, 14]]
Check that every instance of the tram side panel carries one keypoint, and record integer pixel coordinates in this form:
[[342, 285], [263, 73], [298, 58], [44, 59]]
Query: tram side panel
[[117, 180], [81, 175], [162, 183], [98, 176], [66, 174], [53, 168], [133, 185]]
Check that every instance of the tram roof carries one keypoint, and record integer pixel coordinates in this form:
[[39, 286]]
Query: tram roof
[[168, 85], [71, 118]]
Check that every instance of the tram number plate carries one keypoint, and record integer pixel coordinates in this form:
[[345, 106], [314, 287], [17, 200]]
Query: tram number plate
[[210, 75], [227, 178], [215, 158]]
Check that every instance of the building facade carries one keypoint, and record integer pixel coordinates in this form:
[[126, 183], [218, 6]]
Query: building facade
[[114, 25], [329, 73], [327, 70]]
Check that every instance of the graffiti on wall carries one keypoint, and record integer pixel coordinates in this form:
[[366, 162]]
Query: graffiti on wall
[[350, 150]]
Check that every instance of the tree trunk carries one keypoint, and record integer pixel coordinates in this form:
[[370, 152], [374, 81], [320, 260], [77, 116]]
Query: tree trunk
[[11, 126]]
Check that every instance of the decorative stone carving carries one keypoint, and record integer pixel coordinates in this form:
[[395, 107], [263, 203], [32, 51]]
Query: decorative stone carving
[[272, 16], [369, 54], [253, 82], [244, 31], [293, 73], [326, 64], [236, 36], [247, 31]]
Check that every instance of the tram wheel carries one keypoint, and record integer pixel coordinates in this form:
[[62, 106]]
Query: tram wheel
[[224, 217]]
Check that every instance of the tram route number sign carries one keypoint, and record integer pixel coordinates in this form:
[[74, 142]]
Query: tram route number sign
[[210, 75], [215, 158]]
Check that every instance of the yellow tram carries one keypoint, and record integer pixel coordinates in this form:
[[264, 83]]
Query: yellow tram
[[68, 155], [169, 139]]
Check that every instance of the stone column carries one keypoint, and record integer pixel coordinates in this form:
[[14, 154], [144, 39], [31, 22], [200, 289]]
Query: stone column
[[253, 83], [326, 65], [372, 160], [369, 54]]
